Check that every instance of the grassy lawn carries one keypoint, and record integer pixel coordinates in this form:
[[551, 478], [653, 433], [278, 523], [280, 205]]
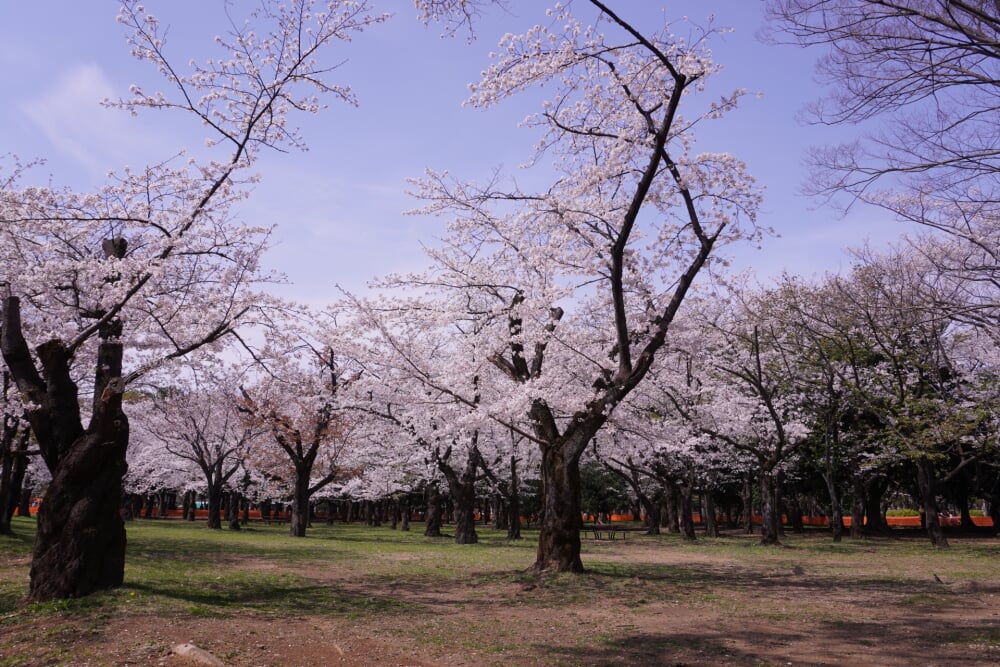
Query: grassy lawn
[[651, 600]]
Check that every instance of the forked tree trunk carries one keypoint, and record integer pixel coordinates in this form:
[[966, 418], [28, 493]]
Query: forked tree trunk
[[462, 489], [559, 534], [80, 541]]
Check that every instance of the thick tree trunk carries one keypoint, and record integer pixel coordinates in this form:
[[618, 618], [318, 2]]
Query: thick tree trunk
[[462, 489], [927, 483], [768, 510], [80, 543], [652, 505], [465, 517], [559, 535], [214, 505], [875, 523], [711, 525], [300, 504], [432, 526]]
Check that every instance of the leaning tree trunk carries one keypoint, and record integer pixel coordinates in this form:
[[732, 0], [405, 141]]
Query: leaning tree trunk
[[927, 483], [559, 532]]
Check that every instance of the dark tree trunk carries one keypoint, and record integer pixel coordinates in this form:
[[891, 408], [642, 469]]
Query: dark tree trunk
[[147, 506], [687, 512], [652, 507], [80, 541], [747, 497], [794, 511], [405, 510], [559, 535], [514, 503], [927, 483], [15, 464], [779, 489], [234, 510], [300, 503], [768, 509], [214, 505], [875, 523], [963, 509], [432, 527], [670, 507], [24, 506], [462, 489], [188, 505], [858, 510], [711, 525]]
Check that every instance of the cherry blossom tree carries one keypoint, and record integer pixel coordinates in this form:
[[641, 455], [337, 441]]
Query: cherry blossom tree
[[153, 264], [198, 420], [569, 290], [295, 396]]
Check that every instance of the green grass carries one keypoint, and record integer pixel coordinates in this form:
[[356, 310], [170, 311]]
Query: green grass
[[408, 585]]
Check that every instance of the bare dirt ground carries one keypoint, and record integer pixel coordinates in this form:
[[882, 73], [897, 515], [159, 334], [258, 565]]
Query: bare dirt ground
[[775, 612]]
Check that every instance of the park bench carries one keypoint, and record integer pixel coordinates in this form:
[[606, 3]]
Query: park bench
[[609, 531]]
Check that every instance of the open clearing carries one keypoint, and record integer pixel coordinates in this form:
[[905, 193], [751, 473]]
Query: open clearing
[[354, 595]]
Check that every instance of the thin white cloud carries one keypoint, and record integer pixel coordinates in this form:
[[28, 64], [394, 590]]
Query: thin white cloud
[[70, 115]]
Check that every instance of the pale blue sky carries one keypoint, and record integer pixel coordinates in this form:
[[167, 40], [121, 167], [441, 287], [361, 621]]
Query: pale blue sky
[[338, 207]]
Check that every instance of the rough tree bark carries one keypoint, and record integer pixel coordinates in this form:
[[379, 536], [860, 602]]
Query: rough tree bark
[[80, 543]]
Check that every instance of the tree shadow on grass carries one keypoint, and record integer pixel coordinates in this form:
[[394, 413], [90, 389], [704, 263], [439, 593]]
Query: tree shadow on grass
[[271, 595]]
